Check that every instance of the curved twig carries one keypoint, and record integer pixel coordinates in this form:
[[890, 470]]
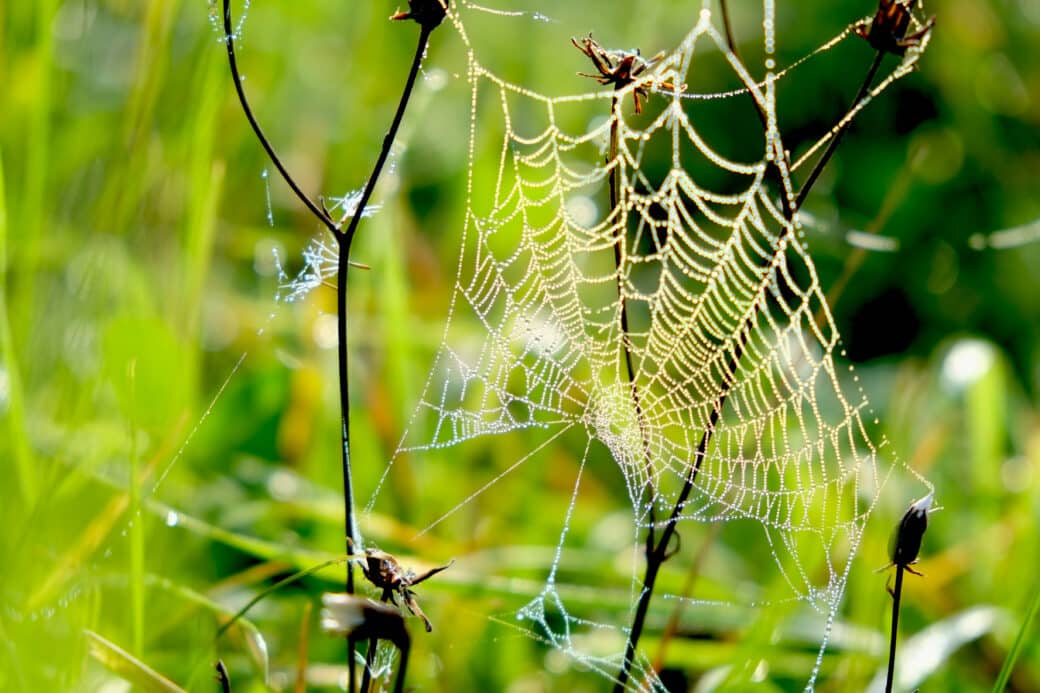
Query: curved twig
[[236, 77], [836, 140]]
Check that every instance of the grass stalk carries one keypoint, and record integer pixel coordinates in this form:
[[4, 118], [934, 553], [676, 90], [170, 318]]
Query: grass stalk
[[266, 592]]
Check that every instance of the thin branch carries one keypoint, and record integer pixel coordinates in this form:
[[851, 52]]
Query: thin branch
[[388, 140], [370, 659], [229, 41], [620, 73], [619, 241], [731, 42], [657, 557], [696, 568], [346, 239], [658, 554], [836, 140]]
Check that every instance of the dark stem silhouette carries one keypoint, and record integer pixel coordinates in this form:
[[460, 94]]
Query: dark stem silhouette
[[657, 553], [897, 592], [619, 241], [429, 15], [832, 146]]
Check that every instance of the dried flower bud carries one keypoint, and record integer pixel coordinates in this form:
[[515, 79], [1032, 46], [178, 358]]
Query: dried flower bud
[[906, 542], [357, 617], [427, 13]]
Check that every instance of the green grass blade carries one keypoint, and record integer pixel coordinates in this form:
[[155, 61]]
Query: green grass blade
[[1020, 641], [251, 636], [136, 530], [14, 405], [277, 586], [125, 665]]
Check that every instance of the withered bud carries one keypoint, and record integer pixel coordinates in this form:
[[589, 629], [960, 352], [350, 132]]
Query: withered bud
[[348, 615], [427, 13], [906, 542]]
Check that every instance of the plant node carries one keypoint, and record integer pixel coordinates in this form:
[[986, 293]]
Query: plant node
[[384, 571], [886, 31], [620, 68]]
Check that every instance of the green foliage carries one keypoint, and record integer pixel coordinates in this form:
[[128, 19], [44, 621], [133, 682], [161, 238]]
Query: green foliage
[[136, 269]]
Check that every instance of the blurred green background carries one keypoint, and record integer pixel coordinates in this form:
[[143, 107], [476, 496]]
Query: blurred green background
[[140, 341]]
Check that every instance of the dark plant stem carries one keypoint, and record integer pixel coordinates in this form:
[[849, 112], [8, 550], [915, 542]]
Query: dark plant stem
[[832, 146], [897, 592], [388, 140], [370, 656], [672, 627], [344, 238], [648, 489], [402, 668], [223, 677], [370, 659], [656, 558], [619, 241], [229, 41], [659, 553]]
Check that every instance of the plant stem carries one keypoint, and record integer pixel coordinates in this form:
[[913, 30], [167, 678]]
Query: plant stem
[[370, 659], [656, 557], [619, 241], [402, 668], [648, 491], [672, 628], [345, 239], [388, 140], [896, 593], [836, 140], [229, 40]]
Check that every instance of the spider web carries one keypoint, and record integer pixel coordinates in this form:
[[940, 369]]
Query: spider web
[[736, 385]]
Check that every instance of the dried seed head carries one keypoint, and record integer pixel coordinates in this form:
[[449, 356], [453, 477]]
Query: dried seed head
[[427, 13], [352, 616]]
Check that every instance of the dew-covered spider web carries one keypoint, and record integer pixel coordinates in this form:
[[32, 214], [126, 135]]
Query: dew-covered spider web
[[678, 324]]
